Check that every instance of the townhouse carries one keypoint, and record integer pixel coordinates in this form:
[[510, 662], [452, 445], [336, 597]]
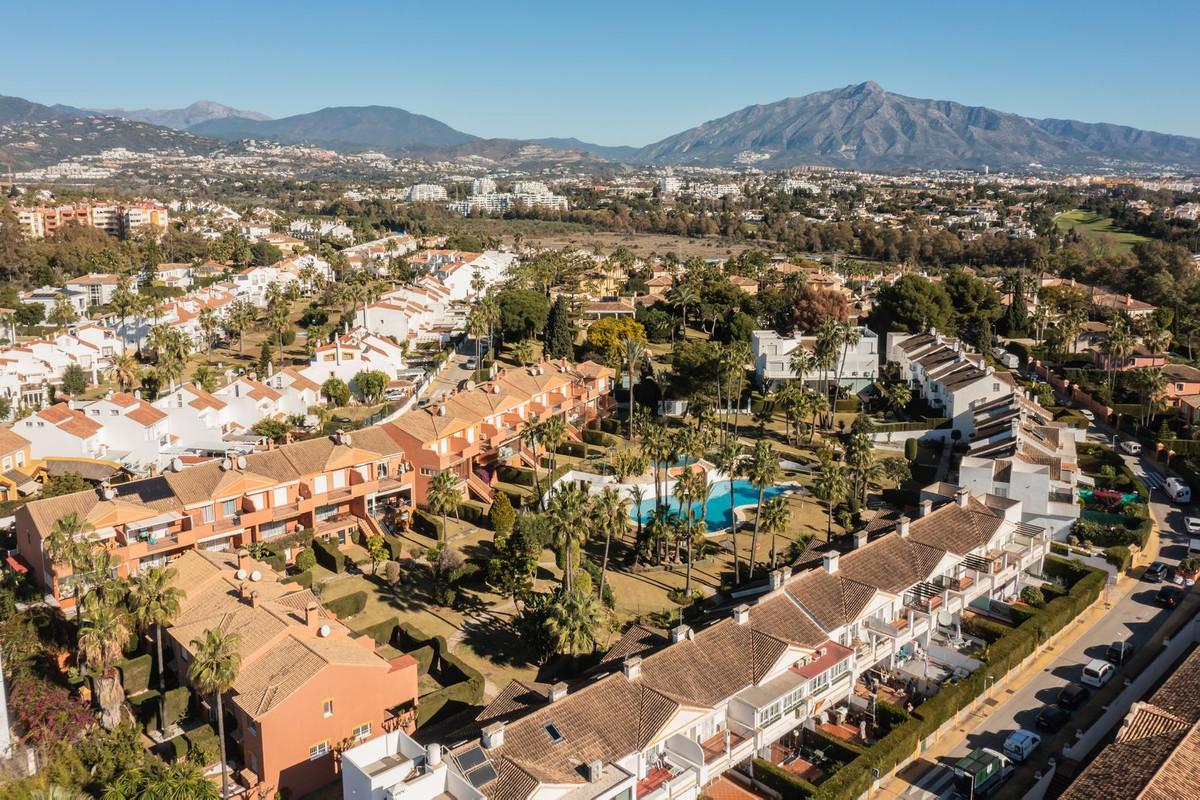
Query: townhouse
[[119, 427], [15, 454], [676, 710], [48, 297], [1019, 452], [858, 366], [473, 432], [306, 683], [177, 276], [331, 486], [371, 254], [949, 377], [99, 287], [198, 421]]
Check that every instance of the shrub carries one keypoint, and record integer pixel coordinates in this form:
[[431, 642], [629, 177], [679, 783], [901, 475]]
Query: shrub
[[382, 632], [573, 449], [303, 578], [427, 524], [518, 476], [135, 674], [911, 450], [593, 436], [347, 606], [789, 786], [1033, 596], [1119, 556], [175, 705], [328, 555], [474, 512]]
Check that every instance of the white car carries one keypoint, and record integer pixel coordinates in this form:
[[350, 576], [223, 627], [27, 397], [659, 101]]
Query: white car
[[1087, 414], [1192, 524]]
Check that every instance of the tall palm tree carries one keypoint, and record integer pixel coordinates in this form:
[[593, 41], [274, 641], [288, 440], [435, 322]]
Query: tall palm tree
[[123, 370], [825, 351], [66, 539], [729, 462], [610, 514], [802, 362], [1118, 344], [849, 336], [1150, 385], [637, 493], [574, 619], [656, 444], [531, 433], [569, 510], [683, 295], [155, 604], [554, 433], [214, 668], [762, 470], [775, 520], [210, 324], [444, 495], [205, 377], [635, 351], [832, 486], [103, 632]]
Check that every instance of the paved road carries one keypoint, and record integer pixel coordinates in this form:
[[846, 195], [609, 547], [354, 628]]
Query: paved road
[[1133, 617], [454, 373]]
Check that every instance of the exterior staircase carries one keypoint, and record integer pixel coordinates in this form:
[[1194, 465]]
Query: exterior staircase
[[480, 488]]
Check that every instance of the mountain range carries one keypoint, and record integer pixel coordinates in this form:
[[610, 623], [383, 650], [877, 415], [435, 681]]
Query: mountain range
[[855, 127]]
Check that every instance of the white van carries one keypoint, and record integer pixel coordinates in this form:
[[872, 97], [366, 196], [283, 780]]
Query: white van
[[1178, 491], [1097, 673], [1131, 447]]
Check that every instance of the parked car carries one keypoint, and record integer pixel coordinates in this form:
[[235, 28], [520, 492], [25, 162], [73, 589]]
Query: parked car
[[1178, 491], [1119, 652], [1020, 745], [1052, 718], [1097, 673], [1072, 696], [470, 364], [1176, 576], [1155, 572], [1169, 596], [1087, 414], [1192, 524], [1132, 448], [342, 420]]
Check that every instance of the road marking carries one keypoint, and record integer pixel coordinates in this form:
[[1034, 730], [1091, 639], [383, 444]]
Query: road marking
[[933, 784]]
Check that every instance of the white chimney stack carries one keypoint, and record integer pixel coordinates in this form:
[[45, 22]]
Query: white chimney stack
[[632, 667], [902, 526], [493, 736], [830, 560], [741, 614]]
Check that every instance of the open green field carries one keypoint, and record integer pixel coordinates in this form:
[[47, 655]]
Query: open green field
[[1093, 225]]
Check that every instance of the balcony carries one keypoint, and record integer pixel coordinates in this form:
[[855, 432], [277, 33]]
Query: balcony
[[893, 629]]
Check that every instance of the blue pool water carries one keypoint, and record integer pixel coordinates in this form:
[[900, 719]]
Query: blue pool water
[[718, 516]]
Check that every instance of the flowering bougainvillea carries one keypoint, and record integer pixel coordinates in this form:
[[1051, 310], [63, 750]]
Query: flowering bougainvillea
[[47, 715]]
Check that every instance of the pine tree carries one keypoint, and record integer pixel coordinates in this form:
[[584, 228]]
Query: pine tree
[[560, 333]]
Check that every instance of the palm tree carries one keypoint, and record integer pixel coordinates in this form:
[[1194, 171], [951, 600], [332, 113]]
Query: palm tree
[[775, 520], [637, 493], [825, 352], [210, 324], [569, 510], [66, 539], [531, 432], [802, 362], [523, 352], [762, 470], [1118, 344], [1150, 385], [279, 321], [574, 618], [729, 462], [103, 632], [123, 370], [832, 486], [155, 604], [444, 496], [610, 514], [656, 444], [554, 433], [157, 780], [849, 335], [214, 668], [124, 302], [896, 394], [635, 351], [683, 295], [205, 377]]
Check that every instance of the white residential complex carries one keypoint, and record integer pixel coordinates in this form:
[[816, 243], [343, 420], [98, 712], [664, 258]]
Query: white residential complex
[[858, 366]]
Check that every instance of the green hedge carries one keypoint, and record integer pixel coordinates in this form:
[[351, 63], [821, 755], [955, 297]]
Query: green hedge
[[834, 746], [427, 524], [614, 426], [593, 436], [574, 449], [424, 656], [328, 555], [274, 556], [175, 705], [304, 579], [848, 404], [347, 606], [985, 629], [1119, 557], [145, 710], [518, 476], [395, 546], [475, 512], [382, 632], [135, 674], [789, 786]]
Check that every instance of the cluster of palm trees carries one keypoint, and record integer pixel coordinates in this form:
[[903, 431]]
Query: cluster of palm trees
[[110, 609]]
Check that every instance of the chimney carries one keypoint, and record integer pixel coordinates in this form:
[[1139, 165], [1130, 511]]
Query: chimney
[[679, 633], [776, 579], [595, 771], [254, 599], [961, 497], [902, 526], [493, 736], [557, 692], [244, 590], [830, 560], [860, 539], [312, 616], [926, 507], [243, 557], [785, 573], [433, 755], [741, 614], [632, 667]]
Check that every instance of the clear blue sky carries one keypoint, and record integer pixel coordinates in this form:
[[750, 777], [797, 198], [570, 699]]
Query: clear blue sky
[[613, 72]]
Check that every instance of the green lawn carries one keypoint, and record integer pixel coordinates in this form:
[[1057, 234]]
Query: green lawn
[[1094, 225]]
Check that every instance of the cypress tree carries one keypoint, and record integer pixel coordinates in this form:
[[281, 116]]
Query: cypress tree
[[560, 331]]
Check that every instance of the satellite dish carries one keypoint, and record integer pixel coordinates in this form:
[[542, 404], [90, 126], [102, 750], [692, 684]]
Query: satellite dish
[[226, 464], [241, 574], [945, 619], [241, 462], [256, 576], [176, 464], [324, 630]]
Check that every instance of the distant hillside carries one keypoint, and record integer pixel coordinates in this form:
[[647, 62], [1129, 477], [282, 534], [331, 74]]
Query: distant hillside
[[865, 127], [35, 135], [384, 128], [611, 152], [182, 119]]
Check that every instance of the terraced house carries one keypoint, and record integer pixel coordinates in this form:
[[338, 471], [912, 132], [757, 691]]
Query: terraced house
[[677, 710], [331, 485]]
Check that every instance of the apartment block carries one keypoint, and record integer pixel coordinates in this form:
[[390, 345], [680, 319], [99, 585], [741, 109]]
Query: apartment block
[[857, 366], [307, 684], [673, 711], [116, 219]]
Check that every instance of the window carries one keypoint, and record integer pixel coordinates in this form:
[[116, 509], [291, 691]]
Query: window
[[228, 508], [327, 708], [326, 512], [279, 498], [820, 683], [339, 479], [320, 484], [258, 501], [381, 469], [7, 463], [272, 529], [770, 714], [21, 458], [362, 732], [206, 513], [318, 750], [252, 728], [428, 472], [553, 732]]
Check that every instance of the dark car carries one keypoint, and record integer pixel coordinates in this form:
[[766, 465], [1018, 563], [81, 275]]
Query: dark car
[[1052, 718], [1072, 696], [342, 420], [1155, 572], [1169, 596], [1118, 652]]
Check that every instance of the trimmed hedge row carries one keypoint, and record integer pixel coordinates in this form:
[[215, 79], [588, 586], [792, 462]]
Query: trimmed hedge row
[[518, 476], [135, 674], [789, 785], [427, 524], [328, 555], [347, 606], [593, 436], [475, 512], [1000, 657], [574, 449], [1119, 557]]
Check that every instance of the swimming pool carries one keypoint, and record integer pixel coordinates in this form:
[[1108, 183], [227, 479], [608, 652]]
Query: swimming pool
[[718, 516]]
